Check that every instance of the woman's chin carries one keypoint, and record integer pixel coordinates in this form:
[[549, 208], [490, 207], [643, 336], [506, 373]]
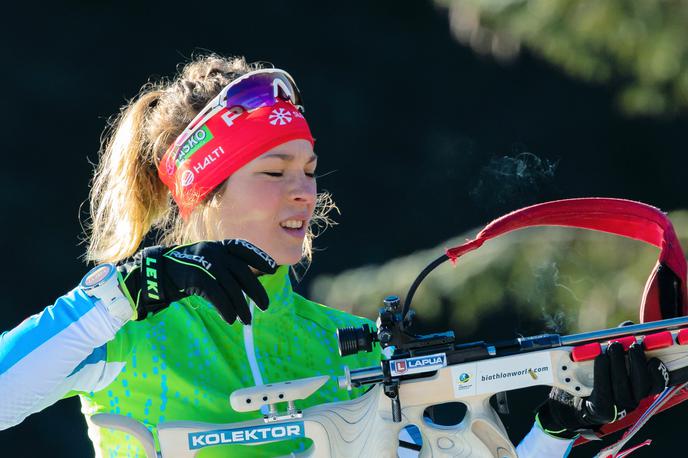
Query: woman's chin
[[288, 258]]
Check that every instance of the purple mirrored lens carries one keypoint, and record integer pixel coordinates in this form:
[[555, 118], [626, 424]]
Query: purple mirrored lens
[[255, 91], [259, 91]]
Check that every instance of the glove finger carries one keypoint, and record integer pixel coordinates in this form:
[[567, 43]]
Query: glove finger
[[238, 305], [217, 296], [249, 283], [659, 376], [558, 415], [600, 404], [676, 377], [251, 255], [639, 373], [621, 386]]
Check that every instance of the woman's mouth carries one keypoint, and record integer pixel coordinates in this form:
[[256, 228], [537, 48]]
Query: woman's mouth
[[294, 227]]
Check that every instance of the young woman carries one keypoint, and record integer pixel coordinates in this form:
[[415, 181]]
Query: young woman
[[219, 164]]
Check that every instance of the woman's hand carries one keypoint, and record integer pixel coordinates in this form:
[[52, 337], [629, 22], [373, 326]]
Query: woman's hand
[[621, 381], [218, 271]]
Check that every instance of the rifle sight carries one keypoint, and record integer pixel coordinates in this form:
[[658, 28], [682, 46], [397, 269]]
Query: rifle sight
[[354, 340]]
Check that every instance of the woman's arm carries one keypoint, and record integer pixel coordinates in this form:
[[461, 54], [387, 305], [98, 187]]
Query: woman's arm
[[539, 444], [62, 349], [54, 352], [621, 380]]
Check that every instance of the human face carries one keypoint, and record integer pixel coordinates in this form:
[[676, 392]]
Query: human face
[[270, 193]]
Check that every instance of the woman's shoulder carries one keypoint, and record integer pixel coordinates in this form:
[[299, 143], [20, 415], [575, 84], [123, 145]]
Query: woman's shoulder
[[184, 317], [325, 316]]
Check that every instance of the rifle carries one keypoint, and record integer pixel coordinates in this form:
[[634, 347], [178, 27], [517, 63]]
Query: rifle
[[426, 370]]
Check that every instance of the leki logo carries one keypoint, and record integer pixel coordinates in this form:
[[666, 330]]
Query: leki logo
[[464, 378], [152, 279], [400, 366], [281, 116]]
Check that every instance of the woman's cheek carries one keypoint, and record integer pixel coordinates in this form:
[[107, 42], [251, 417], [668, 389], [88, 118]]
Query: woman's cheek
[[268, 194]]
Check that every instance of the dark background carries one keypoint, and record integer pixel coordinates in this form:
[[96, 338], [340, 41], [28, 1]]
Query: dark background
[[410, 123]]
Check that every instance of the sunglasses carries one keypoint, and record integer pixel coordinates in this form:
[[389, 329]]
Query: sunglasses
[[256, 89]]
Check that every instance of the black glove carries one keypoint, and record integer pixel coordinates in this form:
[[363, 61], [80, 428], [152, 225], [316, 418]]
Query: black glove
[[218, 271], [617, 390]]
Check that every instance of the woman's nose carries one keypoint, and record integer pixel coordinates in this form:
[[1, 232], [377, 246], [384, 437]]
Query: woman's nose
[[303, 189]]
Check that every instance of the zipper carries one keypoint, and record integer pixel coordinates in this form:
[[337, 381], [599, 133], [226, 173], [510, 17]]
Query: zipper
[[251, 353]]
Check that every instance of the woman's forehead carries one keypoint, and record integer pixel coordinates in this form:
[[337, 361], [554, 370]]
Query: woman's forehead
[[300, 150]]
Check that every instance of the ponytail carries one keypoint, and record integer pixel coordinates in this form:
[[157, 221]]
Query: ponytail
[[127, 197]]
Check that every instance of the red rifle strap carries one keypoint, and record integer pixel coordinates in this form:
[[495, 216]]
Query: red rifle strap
[[667, 282], [665, 291]]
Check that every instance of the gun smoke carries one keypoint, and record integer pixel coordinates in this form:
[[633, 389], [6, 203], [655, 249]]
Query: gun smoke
[[547, 284], [510, 182]]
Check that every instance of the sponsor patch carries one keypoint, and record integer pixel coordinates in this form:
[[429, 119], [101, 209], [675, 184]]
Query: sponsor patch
[[209, 158], [266, 257], [193, 144], [502, 374], [190, 257], [417, 364], [280, 116], [97, 275], [187, 178], [249, 435], [170, 165]]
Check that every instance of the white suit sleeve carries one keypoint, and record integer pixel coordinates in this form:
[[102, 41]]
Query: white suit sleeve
[[538, 444], [54, 352]]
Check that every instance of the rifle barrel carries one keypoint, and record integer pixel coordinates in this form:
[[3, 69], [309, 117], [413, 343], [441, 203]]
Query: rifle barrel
[[633, 329]]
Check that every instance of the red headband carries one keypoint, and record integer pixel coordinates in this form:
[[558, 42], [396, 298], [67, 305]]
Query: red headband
[[226, 142]]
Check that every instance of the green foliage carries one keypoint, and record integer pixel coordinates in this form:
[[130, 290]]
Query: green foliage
[[640, 45], [561, 279]]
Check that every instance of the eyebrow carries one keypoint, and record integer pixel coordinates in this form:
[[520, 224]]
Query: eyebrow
[[288, 157]]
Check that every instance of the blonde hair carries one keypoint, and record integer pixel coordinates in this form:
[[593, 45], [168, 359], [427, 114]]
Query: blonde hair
[[127, 198]]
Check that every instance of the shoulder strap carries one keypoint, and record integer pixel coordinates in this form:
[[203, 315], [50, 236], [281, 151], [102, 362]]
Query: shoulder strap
[[665, 291]]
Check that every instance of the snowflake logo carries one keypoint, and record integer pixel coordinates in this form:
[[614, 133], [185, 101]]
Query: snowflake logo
[[281, 116]]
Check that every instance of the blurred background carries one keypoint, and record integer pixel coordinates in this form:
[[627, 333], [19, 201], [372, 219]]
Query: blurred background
[[432, 117]]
